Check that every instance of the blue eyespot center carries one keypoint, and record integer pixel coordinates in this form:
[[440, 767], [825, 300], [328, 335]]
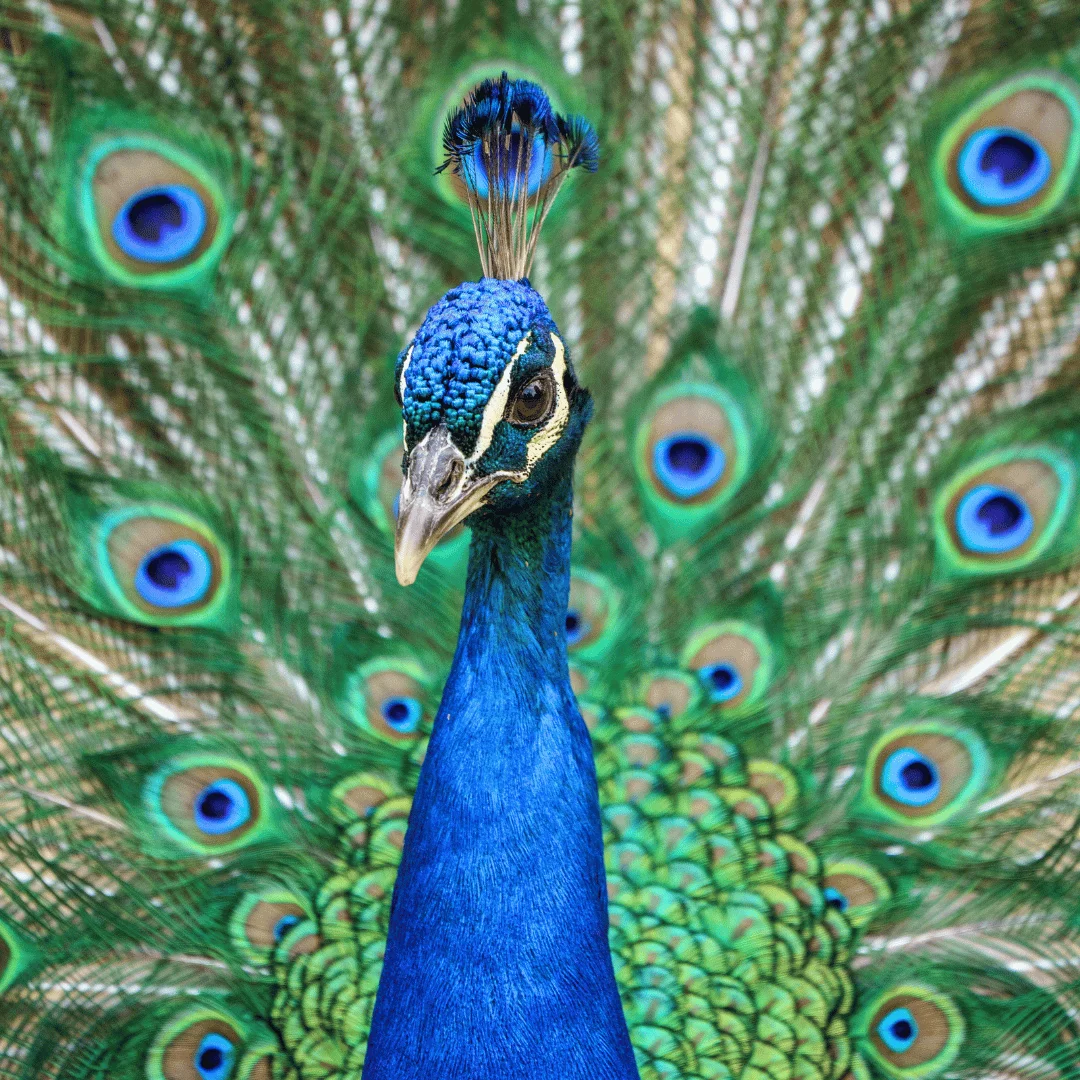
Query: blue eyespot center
[[222, 807], [910, 778], [160, 224], [1002, 166], [898, 1030], [993, 520], [688, 463], [174, 575], [401, 713], [722, 681], [214, 1057], [284, 925], [511, 160], [577, 627], [834, 898]]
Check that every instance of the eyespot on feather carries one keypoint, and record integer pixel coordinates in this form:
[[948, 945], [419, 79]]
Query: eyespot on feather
[[854, 888], [1009, 158], [1004, 511], [207, 804], [592, 614], [691, 454], [299, 938], [262, 918], [670, 693], [733, 661], [199, 1044], [385, 698], [925, 773], [153, 215], [163, 566], [357, 797], [911, 1032]]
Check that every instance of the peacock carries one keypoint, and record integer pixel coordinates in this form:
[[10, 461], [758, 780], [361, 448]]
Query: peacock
[[729, 725]]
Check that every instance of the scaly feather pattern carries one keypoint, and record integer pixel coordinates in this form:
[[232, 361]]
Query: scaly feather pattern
[[823, 615]]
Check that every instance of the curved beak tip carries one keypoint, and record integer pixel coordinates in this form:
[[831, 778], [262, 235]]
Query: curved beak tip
[[416, 535], [406, 574]]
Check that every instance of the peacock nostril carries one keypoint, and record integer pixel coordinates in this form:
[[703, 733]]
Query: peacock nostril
[[449, 482]]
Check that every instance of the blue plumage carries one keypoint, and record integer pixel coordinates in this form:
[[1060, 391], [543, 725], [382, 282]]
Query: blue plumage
[[497, 961], [460, 352]]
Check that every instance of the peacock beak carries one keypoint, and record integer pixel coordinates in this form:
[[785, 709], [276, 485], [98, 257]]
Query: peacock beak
[[436, 496]]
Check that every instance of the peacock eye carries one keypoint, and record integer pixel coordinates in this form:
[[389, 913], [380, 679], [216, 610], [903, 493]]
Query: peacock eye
[[1005, 510], [534, 401], [160, 224], [925, 772], [154, 215], [203, 1044], [1011, 156], [206, 803], [911, 1031]]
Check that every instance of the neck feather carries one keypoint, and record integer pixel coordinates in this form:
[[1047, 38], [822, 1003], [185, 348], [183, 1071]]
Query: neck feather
[[517, 590], [497, 960]]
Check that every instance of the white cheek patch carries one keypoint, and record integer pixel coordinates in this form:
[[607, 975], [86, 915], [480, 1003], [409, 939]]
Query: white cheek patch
[[547, 436], [401, 393], [496, 406]]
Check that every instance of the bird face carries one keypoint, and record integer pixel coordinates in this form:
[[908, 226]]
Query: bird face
[[493, 413]]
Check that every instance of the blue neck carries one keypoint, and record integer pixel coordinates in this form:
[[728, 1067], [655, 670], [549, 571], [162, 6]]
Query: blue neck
[[497, 962]]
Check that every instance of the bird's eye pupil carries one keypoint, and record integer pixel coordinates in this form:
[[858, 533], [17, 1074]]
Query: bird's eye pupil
[[533, 401]]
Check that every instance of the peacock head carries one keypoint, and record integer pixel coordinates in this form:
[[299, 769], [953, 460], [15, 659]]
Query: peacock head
[[493, 412], [492, 409]]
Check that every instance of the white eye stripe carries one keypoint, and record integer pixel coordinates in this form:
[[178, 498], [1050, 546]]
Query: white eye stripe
[[548, 435], [401, 393], [496, 406]]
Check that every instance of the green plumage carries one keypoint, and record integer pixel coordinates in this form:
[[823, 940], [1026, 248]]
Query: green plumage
[[793, 253]]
